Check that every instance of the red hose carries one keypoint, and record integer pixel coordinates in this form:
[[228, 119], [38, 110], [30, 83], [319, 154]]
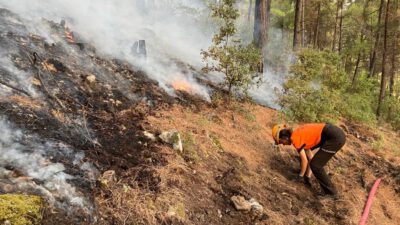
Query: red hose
[[364, 216]]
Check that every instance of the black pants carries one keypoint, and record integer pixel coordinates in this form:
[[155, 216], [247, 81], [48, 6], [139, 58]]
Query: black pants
[[332, 140]]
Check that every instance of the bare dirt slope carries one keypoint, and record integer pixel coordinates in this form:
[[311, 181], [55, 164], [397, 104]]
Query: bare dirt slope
[[105, 109], [228, 151]]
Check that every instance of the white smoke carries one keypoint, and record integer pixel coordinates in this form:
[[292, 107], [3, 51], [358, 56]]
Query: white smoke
[[37, 171], [175, 31], [278, 57], [171, 30], [20, 79]]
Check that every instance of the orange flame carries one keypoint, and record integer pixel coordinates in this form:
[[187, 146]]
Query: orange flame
[[182, 85], [70, 36]]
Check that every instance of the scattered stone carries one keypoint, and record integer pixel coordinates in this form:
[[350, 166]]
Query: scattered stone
[[118, 103], [174, 138], [91, 78], [108, 178], [256, 207], [219, 213], [149, 135], [240, 203]]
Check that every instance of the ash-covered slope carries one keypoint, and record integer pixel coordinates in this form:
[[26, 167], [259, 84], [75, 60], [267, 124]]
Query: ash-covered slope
[[77, 130], [68, 114]]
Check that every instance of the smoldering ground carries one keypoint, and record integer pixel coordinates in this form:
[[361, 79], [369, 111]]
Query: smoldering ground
[[171, 31], [35, 166]]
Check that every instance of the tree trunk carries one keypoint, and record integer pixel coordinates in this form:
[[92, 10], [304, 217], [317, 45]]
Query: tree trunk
[[297, 25], [340, 26], [336, 21], [383, 78], [261, 22], [393, 68], [353, 82], [316, 29], [358, 61], [250, 9], [372, 61]]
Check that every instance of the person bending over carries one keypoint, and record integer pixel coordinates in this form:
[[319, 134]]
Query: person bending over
[[325, 136]]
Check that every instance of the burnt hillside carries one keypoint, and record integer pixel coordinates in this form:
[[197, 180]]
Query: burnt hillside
[[81, 129]]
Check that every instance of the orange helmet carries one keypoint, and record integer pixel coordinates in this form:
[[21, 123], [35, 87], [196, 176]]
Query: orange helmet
[[275, 131]]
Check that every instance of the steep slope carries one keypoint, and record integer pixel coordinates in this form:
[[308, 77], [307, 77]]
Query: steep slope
[[228, 151], [76, 130]]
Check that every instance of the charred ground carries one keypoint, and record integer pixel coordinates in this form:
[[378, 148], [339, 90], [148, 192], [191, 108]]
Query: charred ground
[[103, 106]]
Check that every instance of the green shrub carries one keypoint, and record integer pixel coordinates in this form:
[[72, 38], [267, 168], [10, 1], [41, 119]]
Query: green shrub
[[378, 143], [190, 148], [358, 108], [318, 89], [228, 56], [21, 209], [391, 111], [314, 87]]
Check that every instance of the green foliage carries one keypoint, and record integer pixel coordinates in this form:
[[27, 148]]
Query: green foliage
[[359, 100], [217, 99], [227, 55], [215, 141], [357, 107], [378, 143], [318, 89], [21, 209], [190, 148], [246, 113], [391, 110], [282, 14], [313, 89]]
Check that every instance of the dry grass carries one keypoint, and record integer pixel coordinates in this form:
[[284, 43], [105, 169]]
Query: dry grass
[[217, 139], [24, 101]]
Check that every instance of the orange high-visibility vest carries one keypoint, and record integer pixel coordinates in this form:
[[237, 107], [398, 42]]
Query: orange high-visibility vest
[[308, 135]]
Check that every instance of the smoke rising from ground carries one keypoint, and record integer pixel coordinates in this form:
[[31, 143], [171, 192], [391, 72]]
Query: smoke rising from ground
[[278, 57], [35, 167], [170, 28], [175, 32]]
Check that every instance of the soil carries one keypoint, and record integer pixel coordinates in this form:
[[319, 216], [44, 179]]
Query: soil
[[227, 150]]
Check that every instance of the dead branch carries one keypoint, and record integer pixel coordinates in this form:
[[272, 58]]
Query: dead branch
[[48, 93], [15, 88]]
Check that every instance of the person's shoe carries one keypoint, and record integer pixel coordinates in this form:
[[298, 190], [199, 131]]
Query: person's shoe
[[334, 197]]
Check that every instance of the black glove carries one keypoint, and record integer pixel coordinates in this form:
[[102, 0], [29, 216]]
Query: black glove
[[307, 181], [297, 178]]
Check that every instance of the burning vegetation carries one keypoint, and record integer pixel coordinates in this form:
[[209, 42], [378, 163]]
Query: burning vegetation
[[90, 139]]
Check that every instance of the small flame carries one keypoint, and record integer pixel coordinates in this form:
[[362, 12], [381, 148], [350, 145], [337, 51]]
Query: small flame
[[69, 35], [182, 85]]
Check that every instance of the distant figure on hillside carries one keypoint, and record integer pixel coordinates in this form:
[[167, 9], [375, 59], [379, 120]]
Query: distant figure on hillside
[[327, 137]]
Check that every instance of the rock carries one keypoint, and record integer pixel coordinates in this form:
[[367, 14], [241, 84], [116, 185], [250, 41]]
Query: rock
[[219, 213], [240, 203], [256, 207], [108, 178], [149, 135], [118, 103], [174, 138], [91, 78]]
